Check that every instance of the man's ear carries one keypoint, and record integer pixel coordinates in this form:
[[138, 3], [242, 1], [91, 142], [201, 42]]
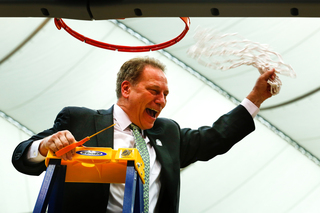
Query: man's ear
[[125, 89]]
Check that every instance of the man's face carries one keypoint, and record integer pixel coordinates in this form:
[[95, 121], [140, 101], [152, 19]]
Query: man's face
[[146, 99]]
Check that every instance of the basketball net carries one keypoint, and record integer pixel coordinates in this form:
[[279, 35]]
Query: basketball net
[[227, 51]]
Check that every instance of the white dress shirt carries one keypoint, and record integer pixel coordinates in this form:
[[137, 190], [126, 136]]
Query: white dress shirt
[[123, 138]]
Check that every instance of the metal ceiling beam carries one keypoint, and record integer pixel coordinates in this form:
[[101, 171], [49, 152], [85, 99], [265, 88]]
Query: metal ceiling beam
[[113, 9], [16, 124], [75, 9]]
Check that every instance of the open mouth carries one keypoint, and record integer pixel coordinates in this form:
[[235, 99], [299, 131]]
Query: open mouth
[[152, 112]]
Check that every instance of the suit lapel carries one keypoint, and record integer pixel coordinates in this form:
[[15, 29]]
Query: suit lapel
[[168, 178], [161, 150], [103, 119]]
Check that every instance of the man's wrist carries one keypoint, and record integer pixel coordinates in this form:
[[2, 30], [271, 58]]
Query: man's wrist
[[41, 148], [250, 106], [255, 100]]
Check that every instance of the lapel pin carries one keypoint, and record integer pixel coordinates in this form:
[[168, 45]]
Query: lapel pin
[[158, 142]]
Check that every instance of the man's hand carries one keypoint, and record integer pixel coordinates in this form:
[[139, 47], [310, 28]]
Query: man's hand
[[261, 90], [56, 142]]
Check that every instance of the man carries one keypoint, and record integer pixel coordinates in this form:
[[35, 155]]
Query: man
[[141, 90]]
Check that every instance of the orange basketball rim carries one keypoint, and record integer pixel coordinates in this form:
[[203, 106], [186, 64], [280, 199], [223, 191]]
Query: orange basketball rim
[[61, 24]]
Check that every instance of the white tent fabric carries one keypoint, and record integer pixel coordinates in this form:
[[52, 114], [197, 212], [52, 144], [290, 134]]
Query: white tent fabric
[[263, 173]]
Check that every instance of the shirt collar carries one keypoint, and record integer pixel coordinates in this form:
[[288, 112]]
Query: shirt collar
[[121, 117]]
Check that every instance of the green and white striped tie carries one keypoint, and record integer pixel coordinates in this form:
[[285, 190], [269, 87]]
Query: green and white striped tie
[[143, 150]]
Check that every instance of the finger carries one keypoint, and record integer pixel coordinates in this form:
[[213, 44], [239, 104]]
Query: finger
[[69, 137], [269, 74], [64, 157], [54, 147], [71, 140], [58, 142], [52, 143], [273, 76], [69, 155], [269, 89], [62, 141]]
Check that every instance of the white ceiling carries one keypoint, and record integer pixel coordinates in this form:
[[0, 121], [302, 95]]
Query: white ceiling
[[51, 70]]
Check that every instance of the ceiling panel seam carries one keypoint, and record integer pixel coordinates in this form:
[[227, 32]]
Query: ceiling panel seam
[[303, 198], [220, 90], [24, 42], [51, 85], [303, 40], [293, 100]]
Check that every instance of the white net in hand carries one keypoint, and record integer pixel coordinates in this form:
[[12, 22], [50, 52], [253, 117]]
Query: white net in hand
[[227, 51]]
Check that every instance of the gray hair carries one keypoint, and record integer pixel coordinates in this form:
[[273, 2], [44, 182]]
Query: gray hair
[[131, 71]]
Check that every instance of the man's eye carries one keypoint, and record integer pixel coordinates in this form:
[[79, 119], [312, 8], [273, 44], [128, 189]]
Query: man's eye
[[154, 91]]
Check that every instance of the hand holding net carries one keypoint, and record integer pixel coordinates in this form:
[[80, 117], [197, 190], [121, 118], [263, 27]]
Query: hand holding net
[[227, 51]]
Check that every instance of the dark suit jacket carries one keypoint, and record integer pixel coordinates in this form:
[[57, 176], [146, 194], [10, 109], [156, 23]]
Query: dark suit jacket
[[180, 148]]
